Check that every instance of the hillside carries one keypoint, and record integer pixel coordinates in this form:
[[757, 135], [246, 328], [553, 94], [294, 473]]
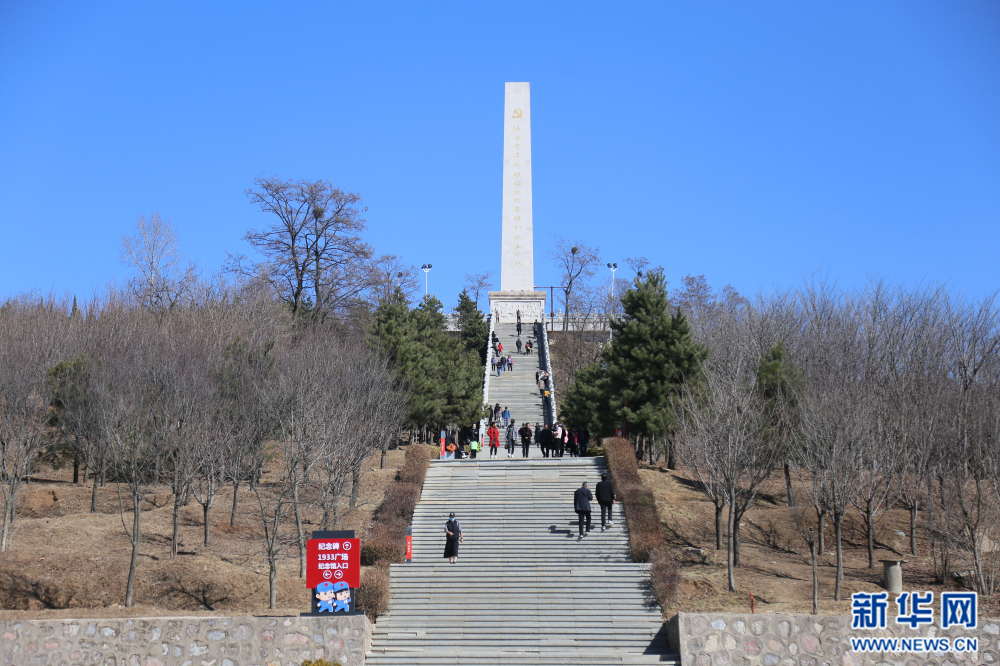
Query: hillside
[[69, 562], [776, 566]]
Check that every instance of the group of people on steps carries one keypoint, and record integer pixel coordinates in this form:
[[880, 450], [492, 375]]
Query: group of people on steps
[[554, 441]]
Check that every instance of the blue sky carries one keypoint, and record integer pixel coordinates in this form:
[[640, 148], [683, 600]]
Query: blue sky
[[755, 143]]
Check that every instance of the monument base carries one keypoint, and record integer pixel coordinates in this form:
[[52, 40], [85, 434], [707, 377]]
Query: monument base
[[505, 305]]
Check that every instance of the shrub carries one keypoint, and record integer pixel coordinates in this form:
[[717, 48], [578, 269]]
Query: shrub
[[646, 538], [399, 502], [620, 459], [664, 576], [386, 543], [418, 458], [374, 593]]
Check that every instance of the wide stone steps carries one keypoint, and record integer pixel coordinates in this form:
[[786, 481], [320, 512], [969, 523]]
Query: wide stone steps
[[526, 590]]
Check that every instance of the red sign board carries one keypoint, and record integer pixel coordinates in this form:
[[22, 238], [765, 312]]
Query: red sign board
[[333, 561]]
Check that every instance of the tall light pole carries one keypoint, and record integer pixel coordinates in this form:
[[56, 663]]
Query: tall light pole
[[613, 267], [426, 268]]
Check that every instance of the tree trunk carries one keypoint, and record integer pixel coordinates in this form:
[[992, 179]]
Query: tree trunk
[[788, 485], [272, 582], [718, 525], [729, 555], [6, 528], [736, 540], [913, 529], [671, 454], [385, 451], [838, 520], [870, 528], [236, 494], [130, 586], [175, 535], [76, 466], [355, 483], [205, 509], [299, 530], [812, 553], [86, 472], [93, 494], [821, 520]]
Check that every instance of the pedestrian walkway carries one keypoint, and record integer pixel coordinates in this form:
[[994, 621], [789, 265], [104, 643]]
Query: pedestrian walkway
[[526, 590], [517, 390]]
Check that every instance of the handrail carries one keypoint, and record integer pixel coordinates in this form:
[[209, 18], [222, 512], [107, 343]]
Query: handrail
[[486, 376], [548, 370]]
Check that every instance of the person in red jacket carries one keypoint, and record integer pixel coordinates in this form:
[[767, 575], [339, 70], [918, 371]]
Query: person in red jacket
[[494, 436]]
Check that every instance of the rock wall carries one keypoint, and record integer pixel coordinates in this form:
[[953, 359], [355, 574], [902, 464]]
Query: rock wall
[[736, 639], [186, 641]]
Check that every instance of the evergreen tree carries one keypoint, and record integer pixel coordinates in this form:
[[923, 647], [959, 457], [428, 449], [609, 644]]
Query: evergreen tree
[[472, 325], [649, 358], [586, 401], [443, 378], [781, 382]]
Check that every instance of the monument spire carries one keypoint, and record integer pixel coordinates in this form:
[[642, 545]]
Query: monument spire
[[517, 260]]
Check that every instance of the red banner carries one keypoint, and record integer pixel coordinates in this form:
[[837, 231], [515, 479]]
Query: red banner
[[333, 561]]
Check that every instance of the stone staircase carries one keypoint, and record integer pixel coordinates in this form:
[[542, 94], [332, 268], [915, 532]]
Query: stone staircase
[[517, 390], [526, 589]]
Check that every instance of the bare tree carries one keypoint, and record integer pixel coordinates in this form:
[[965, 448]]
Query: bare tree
[[576, 261], [477, 283], [129, 388], [388, 274], [31, 339], [723, 438], [313, 253], [153, 252]]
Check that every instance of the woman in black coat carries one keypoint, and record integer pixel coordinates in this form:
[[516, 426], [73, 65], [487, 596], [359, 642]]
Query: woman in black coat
[[453, 536]]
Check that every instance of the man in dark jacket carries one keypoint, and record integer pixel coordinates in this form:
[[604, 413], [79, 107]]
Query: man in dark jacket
[[581, 503], [606, 498], [525, 433], [546, 441]]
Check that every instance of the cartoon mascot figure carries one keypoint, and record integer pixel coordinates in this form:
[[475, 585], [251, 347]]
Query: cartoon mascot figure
[[325, 593]]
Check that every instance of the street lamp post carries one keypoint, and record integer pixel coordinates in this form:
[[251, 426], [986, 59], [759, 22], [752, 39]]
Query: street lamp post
[[613, 267], [426, 268]]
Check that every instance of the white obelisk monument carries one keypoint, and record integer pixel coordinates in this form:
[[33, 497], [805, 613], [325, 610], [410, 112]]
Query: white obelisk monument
[[517, 266]]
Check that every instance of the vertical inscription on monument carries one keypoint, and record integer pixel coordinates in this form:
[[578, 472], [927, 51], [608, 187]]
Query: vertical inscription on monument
[[517, 271]]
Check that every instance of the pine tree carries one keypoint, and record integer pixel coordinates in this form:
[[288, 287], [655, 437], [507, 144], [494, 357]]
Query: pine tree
[[586, 401], [650, 357], [443, 378], [472, 325]]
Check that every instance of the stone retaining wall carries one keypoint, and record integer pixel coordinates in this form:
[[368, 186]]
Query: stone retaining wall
[[736, 639], [186, 641]]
